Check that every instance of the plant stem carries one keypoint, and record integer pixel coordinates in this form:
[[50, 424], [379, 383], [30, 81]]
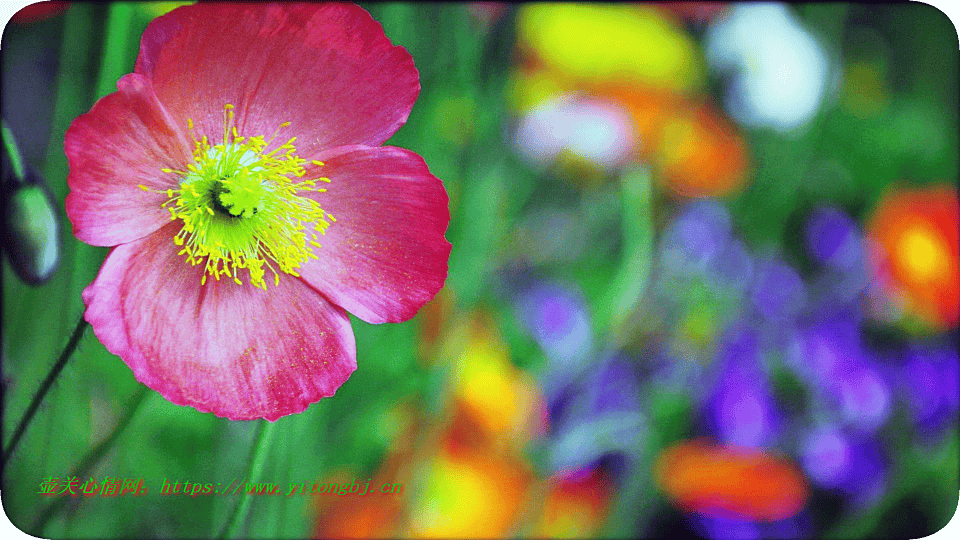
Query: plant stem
[[44, 388], [261, 447], [94, 456], [116, 50], [13, 154], [629, 284]]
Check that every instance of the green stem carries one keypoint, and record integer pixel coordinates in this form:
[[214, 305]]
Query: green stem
[[260, 450], [93, 457], [13, 153], [44, 388], [627, 288], [113, 63]]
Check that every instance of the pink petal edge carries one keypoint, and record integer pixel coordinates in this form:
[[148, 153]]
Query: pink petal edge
[[386, 254], [125, 140], [223, 348], [328, 69]]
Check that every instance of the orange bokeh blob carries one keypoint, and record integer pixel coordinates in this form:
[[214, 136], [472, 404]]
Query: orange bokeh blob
[[352, 515], [575, 507], [697, 151], [914, 232], [648, 108], [700, 153], [360, 517], [746, 483]]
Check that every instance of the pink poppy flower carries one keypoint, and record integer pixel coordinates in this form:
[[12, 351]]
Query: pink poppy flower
[[239, 174]]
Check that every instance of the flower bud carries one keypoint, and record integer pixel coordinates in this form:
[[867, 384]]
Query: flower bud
[[32, 240], [31, 237]]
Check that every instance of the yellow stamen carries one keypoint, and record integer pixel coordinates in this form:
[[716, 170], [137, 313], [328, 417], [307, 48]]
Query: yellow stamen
[[240, 207]]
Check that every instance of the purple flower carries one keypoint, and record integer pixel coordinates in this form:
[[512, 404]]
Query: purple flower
[[825, 348], [930, 385], [738, 528], [557, 318], [778, 291], [738, 353], [733, 268], [741, 410], [614, 387], [834, 239], [827, 457], [864, 398], [726, 528], [855, 467], [696, 237], [743, 414], [844, 378]]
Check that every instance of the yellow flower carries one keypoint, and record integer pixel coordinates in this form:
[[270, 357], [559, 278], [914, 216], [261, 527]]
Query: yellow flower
[[468, 493], [627, 44], [504, 402]]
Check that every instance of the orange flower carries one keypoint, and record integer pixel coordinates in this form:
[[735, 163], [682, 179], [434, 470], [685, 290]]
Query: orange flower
[[649, 109], [359, 517], [731, 482], [700, 154], [914, 233], [575, 507]]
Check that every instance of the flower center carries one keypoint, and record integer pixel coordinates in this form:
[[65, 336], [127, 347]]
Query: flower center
[[922, 253], [240, 206]]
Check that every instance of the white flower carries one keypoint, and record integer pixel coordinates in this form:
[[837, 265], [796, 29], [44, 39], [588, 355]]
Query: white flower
[[779, 73], [596, 131]]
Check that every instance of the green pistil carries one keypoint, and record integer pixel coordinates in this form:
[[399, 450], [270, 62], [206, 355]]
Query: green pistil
[[241, 207]]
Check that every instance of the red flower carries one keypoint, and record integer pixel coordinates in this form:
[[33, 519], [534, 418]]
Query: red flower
[[245, 147], [915, 233]]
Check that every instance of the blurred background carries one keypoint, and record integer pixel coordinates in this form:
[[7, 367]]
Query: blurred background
[[704, 283]]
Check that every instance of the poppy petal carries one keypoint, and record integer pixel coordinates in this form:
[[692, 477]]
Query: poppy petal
[[125, 140], [236, 351], [328, 69], [385, 255]]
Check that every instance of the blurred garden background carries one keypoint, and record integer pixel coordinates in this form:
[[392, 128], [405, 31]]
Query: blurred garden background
[[704, 283]]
